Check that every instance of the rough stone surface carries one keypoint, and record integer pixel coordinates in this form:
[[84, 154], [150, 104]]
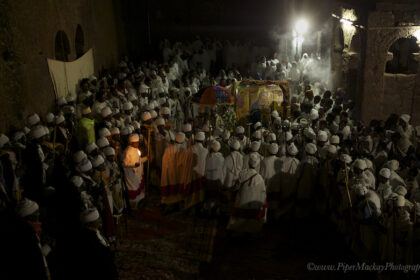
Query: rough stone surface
[[27, 39], [379, 41]]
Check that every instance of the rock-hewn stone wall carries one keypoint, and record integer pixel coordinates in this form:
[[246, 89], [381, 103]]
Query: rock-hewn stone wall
[[27, 39], [383, 91]]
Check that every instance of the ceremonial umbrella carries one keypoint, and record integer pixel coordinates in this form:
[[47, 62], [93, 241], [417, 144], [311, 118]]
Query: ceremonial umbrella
[[213, 95]]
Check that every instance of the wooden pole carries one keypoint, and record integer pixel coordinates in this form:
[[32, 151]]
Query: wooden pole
[[54, 141], [149, 128], [347, 184], [367, 203]]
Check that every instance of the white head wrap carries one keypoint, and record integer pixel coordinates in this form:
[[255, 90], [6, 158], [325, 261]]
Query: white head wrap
[[115, 131], [33, 119], [91, 147], [109, 151], [360, 164], [309, 133], [165, 111], [187, 127], [240, 130], [38, 132], [254, 160], [79, 156], [102, 142], [405, 117], [322, 136], [104, 132], [59, 119], [128, 106], [3, 140], [215, 146], [332, 149], [49, 117], [146, 116], [292, 149], [393, 165], [134, 138], [235, 145], [77, 181], [97, 161], [90, 215], [200, 136], [153, 114], [85, 165], [160, 121], [27, 207], [105, 112], [314, 114], [335, 139], [310, 148], [180, 137], [345, 158], [385, 172], [255, 146]]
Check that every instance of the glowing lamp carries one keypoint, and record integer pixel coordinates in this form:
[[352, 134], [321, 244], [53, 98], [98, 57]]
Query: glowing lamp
[[346, 22], [301, 26], [417, 35]]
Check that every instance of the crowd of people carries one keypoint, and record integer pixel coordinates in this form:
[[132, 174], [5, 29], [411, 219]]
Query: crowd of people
[[67, 177]]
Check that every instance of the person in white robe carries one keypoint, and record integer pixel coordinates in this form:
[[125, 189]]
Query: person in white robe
[[398, 228], [115, 185], [255, 148], [307, 182], [282, 196], [384, 189], [160, 141], [270, 170], [250, 207], [243, 140], [173, 168], [214, 177], [133, 171], [195, 172], [233, 165]]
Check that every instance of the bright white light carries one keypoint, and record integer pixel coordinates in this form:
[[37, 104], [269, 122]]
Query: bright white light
[[346, 22], [417, 34], [301, 26]]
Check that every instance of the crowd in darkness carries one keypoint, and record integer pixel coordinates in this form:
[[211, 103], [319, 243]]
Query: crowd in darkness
[[68, 176]]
